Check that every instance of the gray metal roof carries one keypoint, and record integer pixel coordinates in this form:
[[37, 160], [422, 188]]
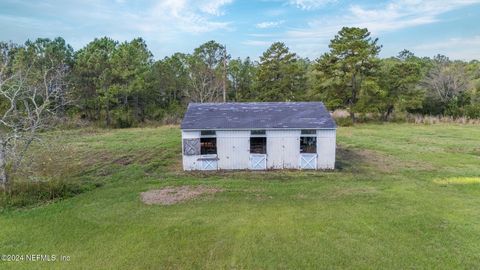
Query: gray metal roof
[[257, 115]]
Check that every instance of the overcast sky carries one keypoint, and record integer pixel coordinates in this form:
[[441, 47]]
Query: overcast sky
[[247, 28]]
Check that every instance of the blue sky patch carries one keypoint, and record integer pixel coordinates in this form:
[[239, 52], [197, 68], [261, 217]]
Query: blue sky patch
[[247, 28]]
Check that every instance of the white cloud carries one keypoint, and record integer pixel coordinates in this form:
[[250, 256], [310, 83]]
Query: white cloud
[[214, 7], [167, 26], [153, 19], [394, 15], [186, 16], [310, 4], [465, 48], [264, 25], [403, 13]]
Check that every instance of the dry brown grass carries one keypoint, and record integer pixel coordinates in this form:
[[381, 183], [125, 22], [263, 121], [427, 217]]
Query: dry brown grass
[[49, 161], [173, 195], [429, 119], [342, 115]]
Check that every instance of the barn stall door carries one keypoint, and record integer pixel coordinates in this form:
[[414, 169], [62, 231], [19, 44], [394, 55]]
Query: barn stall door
[[290, 153], [308, 161], [275, 152], [209, 164], [258, 161], [282, 152]]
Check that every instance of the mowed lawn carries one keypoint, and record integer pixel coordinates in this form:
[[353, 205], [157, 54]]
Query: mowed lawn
[[403, 197]]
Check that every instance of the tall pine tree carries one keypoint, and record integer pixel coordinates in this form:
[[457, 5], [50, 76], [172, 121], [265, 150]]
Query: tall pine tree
[[350, 65], [280, 76]]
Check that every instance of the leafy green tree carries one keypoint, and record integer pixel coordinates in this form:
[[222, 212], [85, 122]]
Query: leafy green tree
[[280, 76], [56, 50], [308, 68], [473, 73], [350, 65], [131, 62], [93, 78], [398, 79], [177, 66], [241, 75], [169, 79]]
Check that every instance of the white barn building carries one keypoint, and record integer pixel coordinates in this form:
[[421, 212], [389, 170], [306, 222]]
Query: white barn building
[[258, 136]]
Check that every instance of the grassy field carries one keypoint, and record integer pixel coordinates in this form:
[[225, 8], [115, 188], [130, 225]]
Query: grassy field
[[403, 196]]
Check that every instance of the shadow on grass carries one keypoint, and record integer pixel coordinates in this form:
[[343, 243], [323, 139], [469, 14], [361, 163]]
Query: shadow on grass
[[349, 159], [363, 160]]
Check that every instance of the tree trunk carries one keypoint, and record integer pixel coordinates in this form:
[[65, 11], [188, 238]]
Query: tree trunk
[[388, 113], [4, 183], [352, 115], [107, 114], [351, 105], [98, 108], [353, 98], [138, 115]]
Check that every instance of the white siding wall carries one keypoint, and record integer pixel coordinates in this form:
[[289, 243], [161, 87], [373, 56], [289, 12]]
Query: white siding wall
[[233, 149], [283, 149], [326, 146]]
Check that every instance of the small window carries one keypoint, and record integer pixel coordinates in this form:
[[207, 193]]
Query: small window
[[191, 147], [208, 146], [258, 145], [309, 132], [207, 133], [258, 132], [308, 145]]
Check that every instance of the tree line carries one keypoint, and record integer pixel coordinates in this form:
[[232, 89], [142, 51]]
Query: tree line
[[119, 84]]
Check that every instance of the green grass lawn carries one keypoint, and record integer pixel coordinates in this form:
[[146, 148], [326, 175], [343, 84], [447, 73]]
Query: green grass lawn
[[403, 196]]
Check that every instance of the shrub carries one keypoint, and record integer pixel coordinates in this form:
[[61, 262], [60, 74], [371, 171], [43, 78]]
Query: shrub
[[50, 172], [473, 111], [122, 118], [344, 121], [25, 193]]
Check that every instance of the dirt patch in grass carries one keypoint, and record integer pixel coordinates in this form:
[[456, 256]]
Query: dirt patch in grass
[[464, 150], [124, 160], [381, 162], [173, 195]]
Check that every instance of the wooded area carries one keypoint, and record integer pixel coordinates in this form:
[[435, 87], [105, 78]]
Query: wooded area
[[121, 85]]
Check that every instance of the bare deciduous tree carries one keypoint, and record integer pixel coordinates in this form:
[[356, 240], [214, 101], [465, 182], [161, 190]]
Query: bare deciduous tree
[[446, 80], [206, 86], [207, 73], [30, 94]]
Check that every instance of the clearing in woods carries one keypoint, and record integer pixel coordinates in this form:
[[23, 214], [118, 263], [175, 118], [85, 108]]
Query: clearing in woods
[[403, 196]]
